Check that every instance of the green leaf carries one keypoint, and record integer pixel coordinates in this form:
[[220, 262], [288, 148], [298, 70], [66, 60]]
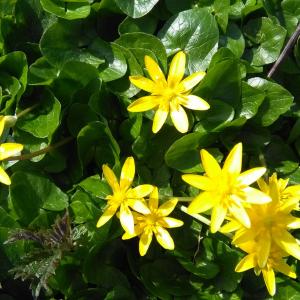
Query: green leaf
[[233, 39], [195, 32], [291, 13], [95, 187], [70, 9], [183, 155], [136, 8], [65, 41], [43, 121], [30, 192], [145, 24], [96, 141], [221, 10], [277, 101], [287, 290], [269, 36]]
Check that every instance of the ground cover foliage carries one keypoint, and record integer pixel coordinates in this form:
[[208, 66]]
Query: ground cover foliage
[[64, 72]]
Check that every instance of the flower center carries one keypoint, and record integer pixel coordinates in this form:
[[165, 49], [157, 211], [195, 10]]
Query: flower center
[[169, 93], [118, 197]]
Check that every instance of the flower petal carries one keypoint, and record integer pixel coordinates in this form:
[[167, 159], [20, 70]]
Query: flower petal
[[127, 173], [243, 236], [142, 83], [177, 68], [107, 215], [198, 181], [145, 241], [111, 178], [9, 149], [164, 239], [154, 70], [230, 227], [144, 103], [285, 269], [255, 196], [210, 165], [189, 82], [239, 212], [160, 117], [250, 176], [139, 206], [153, 199], [294, 223], [233, 162], [269, 278], [170, 222], [263, 250], [4, 178], [217, 217], [288, 243], [193, 102], [166, 208], [126, 218], [203, 202], [179, 117], [140, 191], [247, 263]]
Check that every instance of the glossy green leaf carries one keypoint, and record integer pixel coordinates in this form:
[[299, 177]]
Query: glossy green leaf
[[95, 187], [136, 8], [195, 32], [70, 9], [277, 100], [145, 24]]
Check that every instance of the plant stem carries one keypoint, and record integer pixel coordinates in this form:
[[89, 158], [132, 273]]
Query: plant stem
[[285, 51], [196, 216], [26, 110], [39, 152]]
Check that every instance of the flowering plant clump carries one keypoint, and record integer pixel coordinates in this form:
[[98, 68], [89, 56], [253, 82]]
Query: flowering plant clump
[[105, 106]]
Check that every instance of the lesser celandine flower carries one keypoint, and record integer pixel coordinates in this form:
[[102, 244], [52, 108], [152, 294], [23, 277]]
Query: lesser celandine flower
[[124, 196], [154, 221], [226, 190], [274, 262], [270, 222], [168, 95]]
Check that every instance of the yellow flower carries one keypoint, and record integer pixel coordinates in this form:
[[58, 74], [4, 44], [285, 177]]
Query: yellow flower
[[123, 196], [270, 222], [274, 262], [154, 220], [8, 121], [7, 150], [168, 95], [226, 190]]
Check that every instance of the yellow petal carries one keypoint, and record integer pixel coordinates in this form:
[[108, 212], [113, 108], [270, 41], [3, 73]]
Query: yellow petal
[[243, 236], [239, 212], [177, 68], [153, 199], [288, 243], [269, 278], [210, 165], [198, 181], [230, 227], [179, 117], [144, 104], [203, 202], [139, 206], [107, 215], [9, 149], [145, 241], [285, 269], [126, 219], [217, 217], [263, 186], [193, 102], [2, 124], [111, 178], [250, 176], [142, 83], [164, 239], [255, 196], [292, 191], [233, 162], [166, 208], [154, 71], [127, 174], [170, 222], [140, 191], [160, 117], [4, 178], [247, 263], [294, 223], [189, 82], [289, 205], [263, 250], [127, 235]]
